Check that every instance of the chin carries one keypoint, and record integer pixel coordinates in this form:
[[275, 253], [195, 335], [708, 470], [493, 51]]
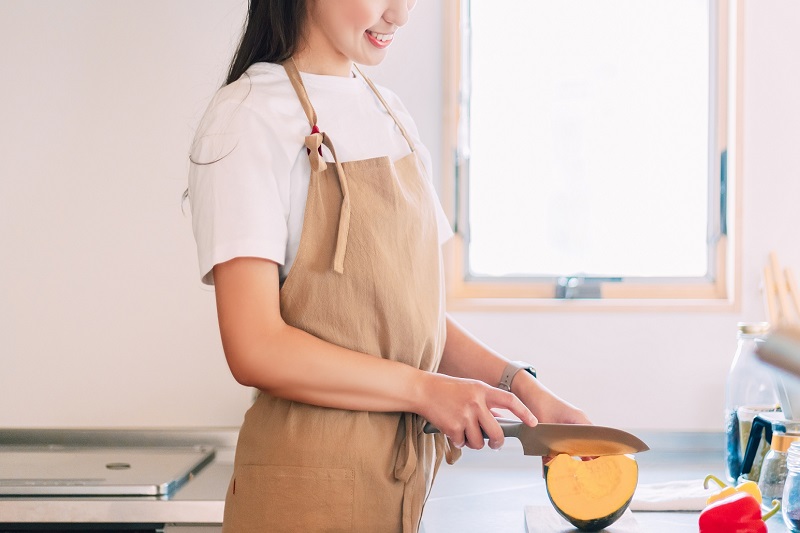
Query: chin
[[370, 60]]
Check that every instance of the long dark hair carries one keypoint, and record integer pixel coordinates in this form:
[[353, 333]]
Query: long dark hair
[[271, 33]]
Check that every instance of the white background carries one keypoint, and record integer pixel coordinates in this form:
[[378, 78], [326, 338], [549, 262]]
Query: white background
[[103, 321]]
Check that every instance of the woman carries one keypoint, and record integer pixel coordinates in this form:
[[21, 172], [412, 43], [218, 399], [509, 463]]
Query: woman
[[317, 223]]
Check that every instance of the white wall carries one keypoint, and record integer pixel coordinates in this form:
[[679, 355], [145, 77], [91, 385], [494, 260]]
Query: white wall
[[103, 321]]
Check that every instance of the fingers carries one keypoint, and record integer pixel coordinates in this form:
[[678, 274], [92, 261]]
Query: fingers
[[476, 433], [474, 436], [465, 413], [492, 430], [459, 442], [507, 400]]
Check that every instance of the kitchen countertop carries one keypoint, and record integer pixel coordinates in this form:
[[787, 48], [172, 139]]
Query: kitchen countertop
[[488, 491], [485, 491]]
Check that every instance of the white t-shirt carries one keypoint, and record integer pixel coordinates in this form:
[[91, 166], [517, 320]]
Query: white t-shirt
[[248, 180]]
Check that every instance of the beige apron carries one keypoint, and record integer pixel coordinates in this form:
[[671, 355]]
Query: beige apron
[[367, 276]]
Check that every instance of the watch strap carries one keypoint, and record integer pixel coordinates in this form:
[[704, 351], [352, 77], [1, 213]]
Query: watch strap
[[510, 372]]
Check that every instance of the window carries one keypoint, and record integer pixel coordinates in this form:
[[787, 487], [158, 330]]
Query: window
[[593, 149]]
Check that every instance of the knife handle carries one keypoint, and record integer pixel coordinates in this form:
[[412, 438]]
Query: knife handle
[[510, 427]]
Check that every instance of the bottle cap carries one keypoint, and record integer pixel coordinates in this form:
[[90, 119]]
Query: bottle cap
[[793, 459], [753, 328]]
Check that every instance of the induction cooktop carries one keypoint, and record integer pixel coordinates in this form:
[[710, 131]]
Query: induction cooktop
[[93, 471]]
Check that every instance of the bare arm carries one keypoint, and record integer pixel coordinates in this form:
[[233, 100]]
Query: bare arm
[[465, 356], [263, 351]]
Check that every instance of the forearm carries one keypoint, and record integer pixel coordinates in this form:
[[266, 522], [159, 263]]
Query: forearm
[[263, 351], [292, 364], [467, 357]]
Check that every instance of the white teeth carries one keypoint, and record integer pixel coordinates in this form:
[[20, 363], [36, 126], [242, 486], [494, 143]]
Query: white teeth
[[381, 36]]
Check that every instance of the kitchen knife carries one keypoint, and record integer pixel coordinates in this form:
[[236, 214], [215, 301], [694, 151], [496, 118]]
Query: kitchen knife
[[583, 440]]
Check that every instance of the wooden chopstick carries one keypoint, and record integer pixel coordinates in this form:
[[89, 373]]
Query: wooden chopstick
[[792, 286], [784, 313], [769, 296]]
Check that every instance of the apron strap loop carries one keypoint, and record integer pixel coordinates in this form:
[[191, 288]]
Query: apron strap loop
[[344, 213], [314, 148]]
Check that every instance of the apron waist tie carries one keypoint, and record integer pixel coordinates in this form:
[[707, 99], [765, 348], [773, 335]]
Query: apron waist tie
[[407, 454], [313, 144], [405, 468]]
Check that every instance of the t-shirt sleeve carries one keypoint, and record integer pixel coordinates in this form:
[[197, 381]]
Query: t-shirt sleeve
[[443, 224], [238, 187]]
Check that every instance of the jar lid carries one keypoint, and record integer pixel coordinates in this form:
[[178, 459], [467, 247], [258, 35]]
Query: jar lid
[[781, 443], [753, 328], [793, 459]]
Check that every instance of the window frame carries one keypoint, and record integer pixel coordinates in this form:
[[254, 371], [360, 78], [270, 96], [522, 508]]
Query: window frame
[[717, 292]]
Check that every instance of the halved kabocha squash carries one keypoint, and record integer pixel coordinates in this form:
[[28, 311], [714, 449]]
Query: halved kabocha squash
[[593, 494]]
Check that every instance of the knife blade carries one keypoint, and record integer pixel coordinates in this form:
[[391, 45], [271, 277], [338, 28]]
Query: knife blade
[[583, 440]]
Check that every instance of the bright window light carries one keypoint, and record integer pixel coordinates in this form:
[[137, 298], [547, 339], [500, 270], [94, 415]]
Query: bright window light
[[589, 138]]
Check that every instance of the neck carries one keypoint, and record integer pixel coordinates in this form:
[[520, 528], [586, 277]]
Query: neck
[[327, 63]]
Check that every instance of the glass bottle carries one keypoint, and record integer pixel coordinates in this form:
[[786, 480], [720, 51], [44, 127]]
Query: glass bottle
[[772, 479], [790, 506], [750, 389]]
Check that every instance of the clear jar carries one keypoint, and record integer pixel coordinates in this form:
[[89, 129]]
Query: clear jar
[[774, 470], [750, 389], [790, 506]]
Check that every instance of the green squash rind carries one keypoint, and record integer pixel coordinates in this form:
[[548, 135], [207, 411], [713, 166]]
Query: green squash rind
[[596, 524]]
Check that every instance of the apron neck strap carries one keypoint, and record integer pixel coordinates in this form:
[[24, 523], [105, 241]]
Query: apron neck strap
[[300, 89], [386, 106], [314, 143]]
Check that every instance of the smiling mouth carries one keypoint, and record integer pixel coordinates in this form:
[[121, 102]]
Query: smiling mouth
[[380, 40]]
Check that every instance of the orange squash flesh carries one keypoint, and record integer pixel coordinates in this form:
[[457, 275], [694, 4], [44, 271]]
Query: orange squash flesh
[[591, 495]]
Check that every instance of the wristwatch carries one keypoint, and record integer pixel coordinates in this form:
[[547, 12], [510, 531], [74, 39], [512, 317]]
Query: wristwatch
[[511, 370]]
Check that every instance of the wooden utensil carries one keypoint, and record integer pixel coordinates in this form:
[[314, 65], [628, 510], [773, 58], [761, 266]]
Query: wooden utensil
[[781, 295], [785, 316], [793, 292], [769, 296]]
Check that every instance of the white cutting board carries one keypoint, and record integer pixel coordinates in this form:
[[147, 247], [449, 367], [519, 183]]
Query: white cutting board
[[545, 519]]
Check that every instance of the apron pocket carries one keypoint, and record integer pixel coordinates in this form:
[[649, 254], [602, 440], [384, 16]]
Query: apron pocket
[[289, 498]]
